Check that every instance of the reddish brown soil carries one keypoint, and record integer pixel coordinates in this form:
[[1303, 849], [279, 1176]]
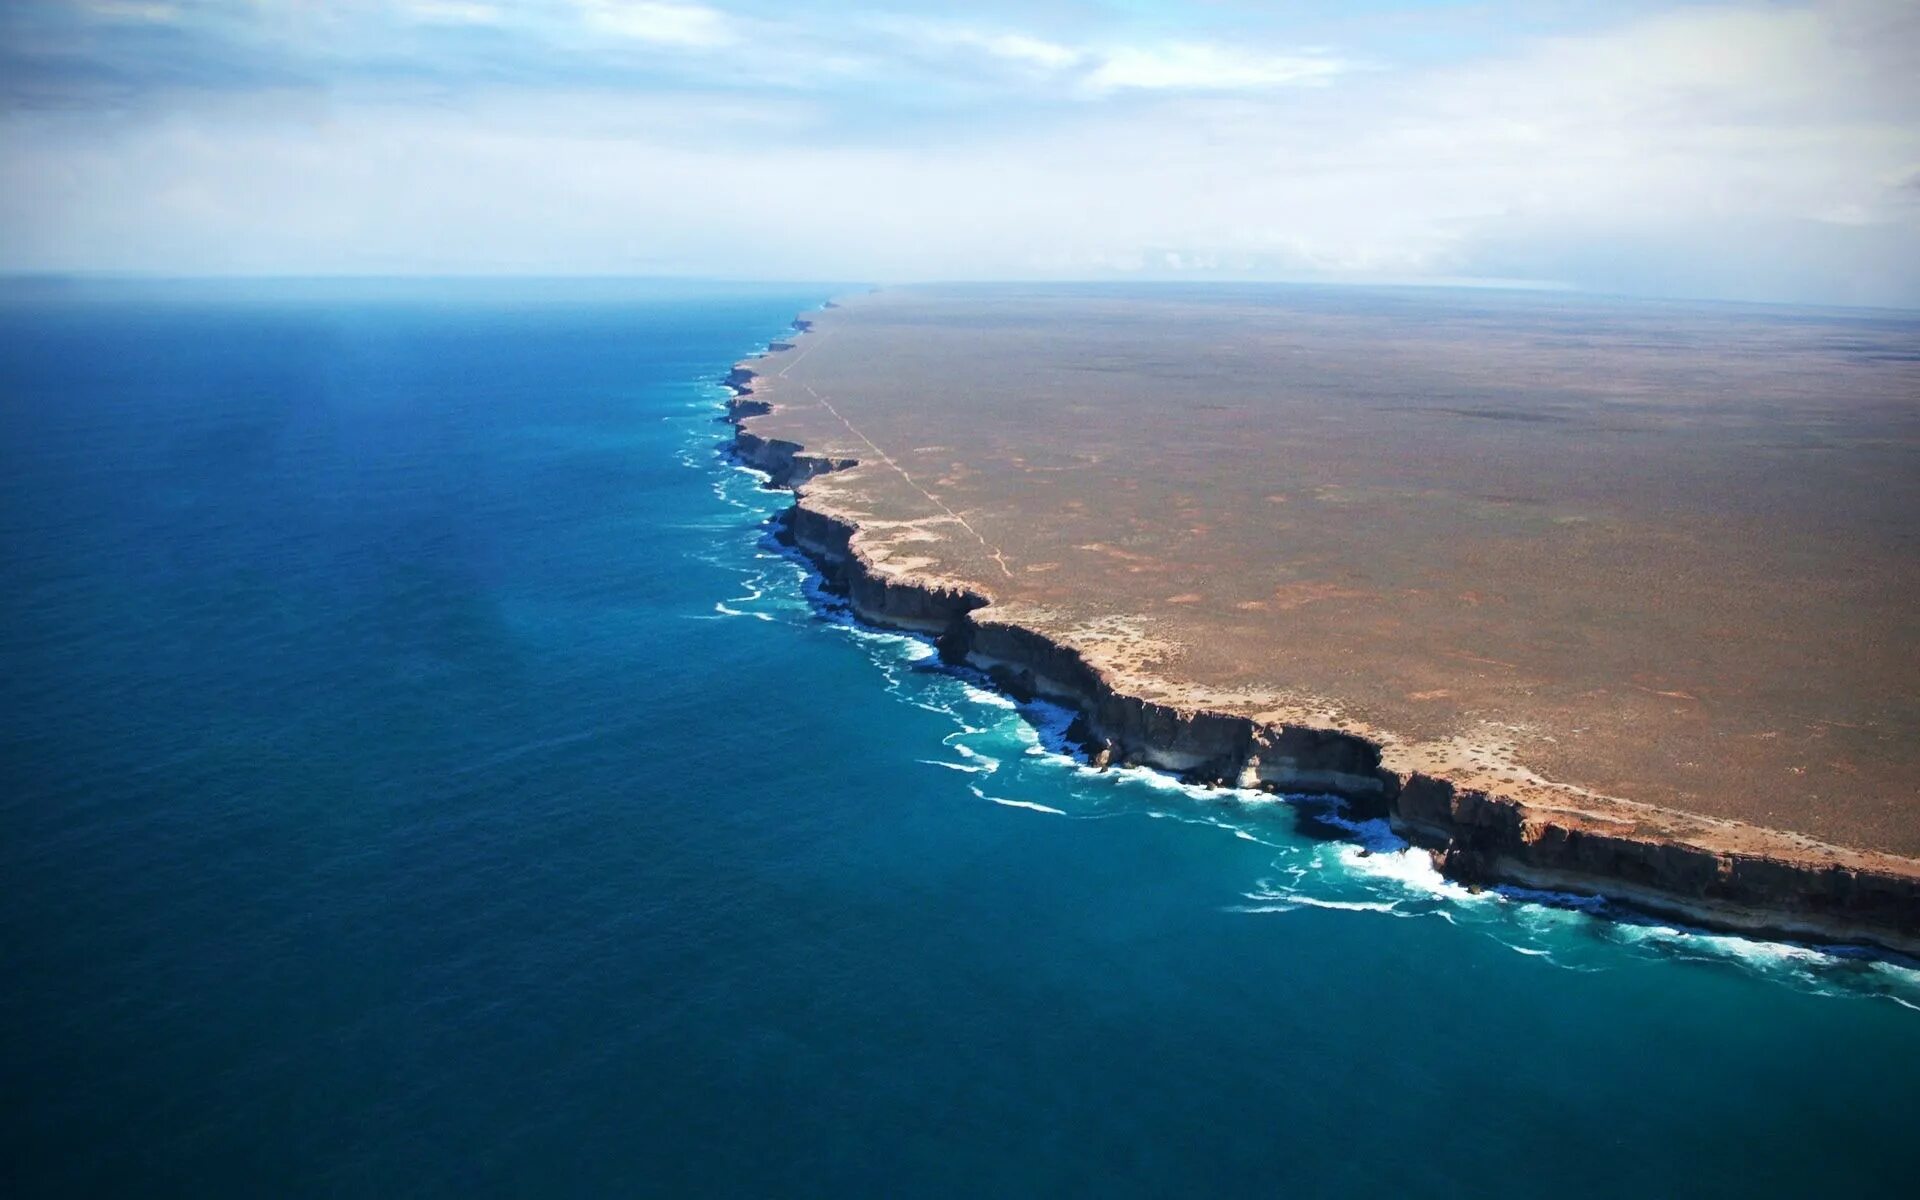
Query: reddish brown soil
[[1651, 553]]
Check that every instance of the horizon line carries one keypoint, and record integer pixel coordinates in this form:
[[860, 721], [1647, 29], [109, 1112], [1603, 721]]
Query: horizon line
[[1543, 288]]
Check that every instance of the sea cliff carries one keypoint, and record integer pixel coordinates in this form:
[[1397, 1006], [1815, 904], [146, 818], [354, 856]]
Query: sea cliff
[[1711, 873]]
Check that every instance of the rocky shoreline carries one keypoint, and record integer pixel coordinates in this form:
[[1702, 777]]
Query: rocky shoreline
[[1795, 890]]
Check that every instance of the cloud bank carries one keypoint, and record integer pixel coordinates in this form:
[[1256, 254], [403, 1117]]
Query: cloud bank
[[1760, 151]]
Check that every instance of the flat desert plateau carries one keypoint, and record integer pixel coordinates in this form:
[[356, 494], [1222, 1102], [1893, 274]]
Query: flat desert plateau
[[1649, 565]]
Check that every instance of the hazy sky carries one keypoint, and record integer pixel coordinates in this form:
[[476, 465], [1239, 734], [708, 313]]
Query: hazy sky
[[1757, 151]]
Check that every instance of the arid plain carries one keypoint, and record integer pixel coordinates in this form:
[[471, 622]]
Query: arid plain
[[1651, 562]]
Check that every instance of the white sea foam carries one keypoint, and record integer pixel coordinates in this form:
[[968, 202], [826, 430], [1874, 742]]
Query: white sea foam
[[1408, 868], [1050, 723], [980, 695], [1296, 902], [722, 608], [1373, 906], [1027, 804], [952, 766], [903, 644], [1148, 779], [1374, 834]]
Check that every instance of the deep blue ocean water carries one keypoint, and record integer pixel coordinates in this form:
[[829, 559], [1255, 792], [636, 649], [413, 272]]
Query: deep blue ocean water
[[423, 777]]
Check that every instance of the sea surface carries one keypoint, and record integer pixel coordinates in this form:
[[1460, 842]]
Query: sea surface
[[423, 776]]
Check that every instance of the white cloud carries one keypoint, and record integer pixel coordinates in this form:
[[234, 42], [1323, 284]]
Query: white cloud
[[133, 11], [1762, 152], [452, 12], [662, 24], [1173, 66], [1021, 48], [1196, 66], [951, 35]]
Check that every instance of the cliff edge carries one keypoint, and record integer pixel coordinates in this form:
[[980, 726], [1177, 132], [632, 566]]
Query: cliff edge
[[1485, 821]]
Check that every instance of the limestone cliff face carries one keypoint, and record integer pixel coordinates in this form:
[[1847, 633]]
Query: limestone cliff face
[[1198, 743], [905, 604], [918, 605], [1476, 837], [1490, 840], [783, 461], [826, 538]]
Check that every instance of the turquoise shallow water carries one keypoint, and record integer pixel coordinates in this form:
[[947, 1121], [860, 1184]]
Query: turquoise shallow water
[[424, 777]]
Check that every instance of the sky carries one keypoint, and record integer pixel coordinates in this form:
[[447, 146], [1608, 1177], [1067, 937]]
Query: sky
[[1751, 151]]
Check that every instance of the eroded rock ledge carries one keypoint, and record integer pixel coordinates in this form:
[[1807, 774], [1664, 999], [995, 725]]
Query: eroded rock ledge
[[1710, 873]]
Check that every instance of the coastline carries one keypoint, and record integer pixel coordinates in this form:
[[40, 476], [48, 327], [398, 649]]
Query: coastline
[[1707, 872]]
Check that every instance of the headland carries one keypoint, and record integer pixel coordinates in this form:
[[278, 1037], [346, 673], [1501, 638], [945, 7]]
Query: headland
[[1589, 597]]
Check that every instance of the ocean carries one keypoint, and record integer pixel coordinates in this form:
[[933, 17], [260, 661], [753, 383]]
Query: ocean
[[425, 776]]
